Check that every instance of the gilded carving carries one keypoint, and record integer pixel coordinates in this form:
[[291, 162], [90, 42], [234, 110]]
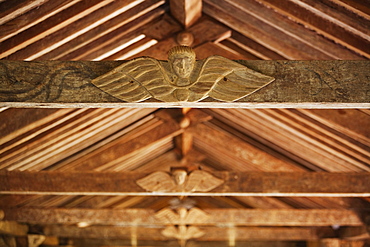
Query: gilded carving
[[182, 233], [181, 79], [179, 181], [182, 216]]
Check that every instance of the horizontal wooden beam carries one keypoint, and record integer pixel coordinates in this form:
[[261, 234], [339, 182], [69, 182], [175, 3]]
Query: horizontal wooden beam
[[210, 233], [298, 84], [82, 242], [13, 228], [219, 217], [306, 184]]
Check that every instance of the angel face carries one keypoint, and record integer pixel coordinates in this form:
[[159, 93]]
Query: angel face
[[182, 65]]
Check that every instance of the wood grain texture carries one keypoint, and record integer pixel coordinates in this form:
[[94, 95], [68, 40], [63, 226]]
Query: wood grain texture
[[80, 242], [312, 84], [220, 217], [210, 233], [235, 183], [187, 12]]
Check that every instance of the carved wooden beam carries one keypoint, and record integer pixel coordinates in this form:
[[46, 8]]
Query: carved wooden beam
[[222, 184], [81, 242], [219, 217], [297, 84], [209, 233]]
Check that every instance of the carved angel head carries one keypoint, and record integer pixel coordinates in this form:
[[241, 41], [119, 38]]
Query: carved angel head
[[182, 60]]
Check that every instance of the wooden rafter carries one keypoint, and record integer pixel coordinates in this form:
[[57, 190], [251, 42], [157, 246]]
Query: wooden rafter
[[234, 184]]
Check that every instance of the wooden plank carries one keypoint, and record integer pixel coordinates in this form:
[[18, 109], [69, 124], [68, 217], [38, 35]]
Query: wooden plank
[[47, 27], [254, 47], [315, 43], [19, 9], [31, 18], [235, 184], [333, 242], [211, 233], [219, 217], [239, 49], [20, 122], [261, 32], [13, 228], [340, 120], [235, 153], [80, 242], [338, 24], [312, 84], [187, 12], [145, 138], [73, 30], [108, 35], [354, 233], [201, 32], [298, 136], [162, 29], [89, 129], [209, 49]]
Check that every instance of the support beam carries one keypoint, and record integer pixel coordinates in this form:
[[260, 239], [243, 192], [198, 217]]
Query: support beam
[[219, 217], [80, 242], [307, 184], [187, 12], [13, 228], [333, 242], [298, 84], [210, 233]]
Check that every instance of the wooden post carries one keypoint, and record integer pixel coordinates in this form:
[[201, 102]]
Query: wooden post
[[187, 12]]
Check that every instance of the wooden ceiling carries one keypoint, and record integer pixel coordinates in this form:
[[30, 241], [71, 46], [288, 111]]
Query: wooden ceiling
[[63, 142]]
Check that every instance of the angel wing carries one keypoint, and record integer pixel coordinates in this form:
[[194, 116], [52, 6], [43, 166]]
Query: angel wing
[[167, 216], [226, 80], [158, 182], [201, 181], [195, 215], [136, 80], [171, 232], [182, 232], [193, 232]]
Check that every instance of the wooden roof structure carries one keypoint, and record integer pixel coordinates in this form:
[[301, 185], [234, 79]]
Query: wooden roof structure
[[288, 177]]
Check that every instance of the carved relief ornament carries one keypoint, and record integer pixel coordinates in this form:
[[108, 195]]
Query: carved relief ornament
[[181, 79], [179, 181]]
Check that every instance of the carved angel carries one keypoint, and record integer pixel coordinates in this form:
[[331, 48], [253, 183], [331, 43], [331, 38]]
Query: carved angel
[[179, 181], [181, 79], [182, 233], [182, 217]]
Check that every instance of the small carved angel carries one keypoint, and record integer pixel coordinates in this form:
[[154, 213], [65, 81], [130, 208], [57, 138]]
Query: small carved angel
[[182, 233], [181, 79], [182, 217], [180, 181]]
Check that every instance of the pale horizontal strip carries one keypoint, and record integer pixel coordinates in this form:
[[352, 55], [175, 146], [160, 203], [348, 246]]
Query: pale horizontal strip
[[210, 104]]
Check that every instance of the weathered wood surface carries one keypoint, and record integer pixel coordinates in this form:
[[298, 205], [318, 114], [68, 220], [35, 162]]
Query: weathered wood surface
[[80, 242], [211, 233], [311, 84], [236, 234], [219, 217], [13, 228], [187, 12], [235, 184]]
